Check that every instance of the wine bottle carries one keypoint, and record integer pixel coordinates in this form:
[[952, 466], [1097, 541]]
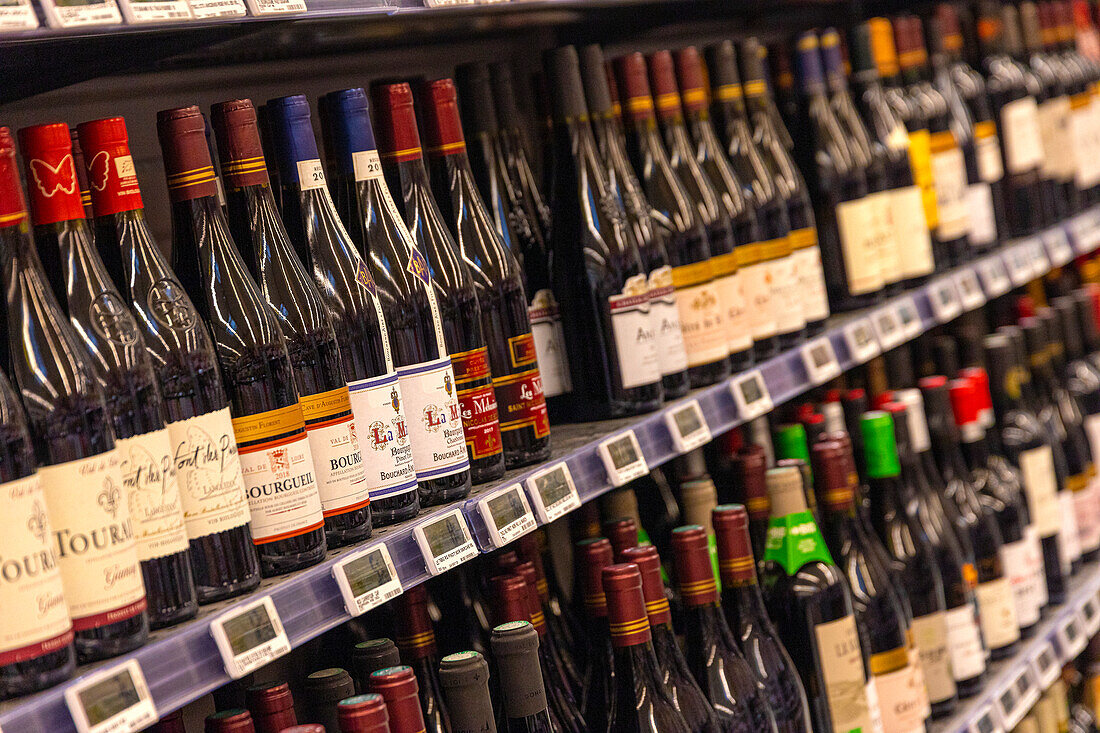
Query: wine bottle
[[271, 705], [642, 702], [465, 680], [675, 672], [416, 642], [370, 656], [202, 449], [1082, 101], [397, 686], [515, 648], [525, 430], [350, 294], [612, 373], [81, 178], [366, 714], [564, 626], [715, 660], [108, 333], [454, 295], [37, 651], [811, 606], [79, 468], [323, 690], [231, 720], [710, 307], [286, 521], [597, 679], [426, 381]]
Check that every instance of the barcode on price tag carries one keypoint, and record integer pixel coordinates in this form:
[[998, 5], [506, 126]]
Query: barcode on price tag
[[986, 722], [507, 515], [970, 291], [820, 360], [367, 579], [116, 700], [908, 317], [276, 7], [249, 637], [1059, 250], [553, 493], [687, 426], [751, 395], [862, 342], [994, 276], [889, 330], [217, 9], [1045, 664], [945, 300], [622, 457], [445, 542]]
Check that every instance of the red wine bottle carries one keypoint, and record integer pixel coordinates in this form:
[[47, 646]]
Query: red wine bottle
[[465, 680], [416, 642], [364, 714], [351, 295], [231, 720], [515, 648], [454, 293], [82, 176], [269, 427], [397, 686], [597, 682], [80, 470], [525, 428], [271, 705], [37, 651], [212, 490], [302, 316]]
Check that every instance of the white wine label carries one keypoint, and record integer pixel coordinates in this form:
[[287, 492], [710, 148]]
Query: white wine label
[[734, 302], [36, 619], [1037, 474], [383, 435], [949, 174], [434, 419], [859, 247], [842, 669], [930, 635], [17, 15], [664, 312], [366, 165], [899, 701], [1058, 159], [917, 670], [217, 9], [1023, 137], [987, 148], [95, 540], [983, 220], [911, 232], [786, 298], [758, 298], [212, 490], [334, 445], [1087, 517], [811, 276], [1025, 595], [889, 252], [550, 343], [965, 643], [282, 488], [635, 342], [1085, 137], [873, 707], [311, 174], [997, 612], [704, 329], [154, 11], [76, 13], [1069, 542], [153, 494]]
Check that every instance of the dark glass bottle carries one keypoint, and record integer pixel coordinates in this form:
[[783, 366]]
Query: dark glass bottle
[[564, 626], [370, 656], [496, 274], [116, 356], [712, 653], [398, 687], [231, 720], [323, 690], [365, 714], [515, 648], [597, 679], [747, 618], [73, 441], [350, 295], [224, 562], [272, 707], [416, 641], [454, 301], [612, 373], [465, 680], [701, 294], [288, 528]]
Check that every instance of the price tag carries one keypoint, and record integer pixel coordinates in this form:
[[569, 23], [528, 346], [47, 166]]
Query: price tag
[[17, 15], [1071, 637], [986, 722], [217, 9], [552, 492], [249, 637], [154, 11], [1045, 664], [970, 291], [276, 7], [622, 457], [862, 342], [78, 13], [1027, 689], [888, 328], [908, 317], [820, 360], [751, 395], [945, 300], [1059, 250], [687, 426], [115, 700], [1040, 265], [367, 579], [1019, 264], [1085, 230], [507, 515], [994, 276], [1007, 703], [445, 542], [1090, 616]]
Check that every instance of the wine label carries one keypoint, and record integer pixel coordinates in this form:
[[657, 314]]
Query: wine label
[[965, 643], [1037, 475], [704, 330], [754, 267], [664, 312], [153, 494], [635, 342], [997, 613], [1021, 577], [911, 232], [546, 328], [1086, 515], [786, 300], [1085, 137], [859, 244], [1069, 542], [208, 470], [899, 698], [811, 276], [873, 708], [95, 540], [983, 219], [278, 471], [987, 149], [842, 670], [917, 670], [889, 253], [75, 13], [731, 296], [480, 416], [337, 458], [1058, 158], [949, 178], [435, 419], [930, 636], [920, 162], [521, 402], [1023, 138], [794, 540], [36, 619], [384, 435]]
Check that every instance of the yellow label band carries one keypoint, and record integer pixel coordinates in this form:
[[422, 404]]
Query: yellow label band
[[266, 425], [697, 273], [325, 404]]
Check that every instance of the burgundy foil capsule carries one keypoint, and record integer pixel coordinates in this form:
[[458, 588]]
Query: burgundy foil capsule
[[592, 556], [363, 714], [398, 137], [693, 569], [530, 551], [272, 707], [622, 534], [397, 686], [662, 78], [239, 143], [415, 635], [835, 477], [653, 586], [526, 571], [509, 599], [187, 165], [750, 466], [229, 721], [444, 124], [731, 533], [691, 76], [627, 615], [630, 70]]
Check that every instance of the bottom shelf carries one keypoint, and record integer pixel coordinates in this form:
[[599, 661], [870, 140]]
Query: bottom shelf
[[1015, 683]]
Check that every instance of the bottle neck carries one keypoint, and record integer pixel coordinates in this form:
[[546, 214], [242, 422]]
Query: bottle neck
[[115, 247], [974, 445]]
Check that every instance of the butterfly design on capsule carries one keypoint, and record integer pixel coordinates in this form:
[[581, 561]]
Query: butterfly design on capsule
[[98, 170], [51, 179]]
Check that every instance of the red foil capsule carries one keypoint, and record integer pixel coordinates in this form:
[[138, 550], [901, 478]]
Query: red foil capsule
[[653, 586], [626, 608]]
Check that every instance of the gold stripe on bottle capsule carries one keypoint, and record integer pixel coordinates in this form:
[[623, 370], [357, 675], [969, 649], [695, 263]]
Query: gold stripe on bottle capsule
[[640, 104], [446, 148], [1077, 482], [417, 640], [6, 219], [952, 42], [985, 129], [629, 627], [757, 504], [891, 661], [265, 425], [725, 264], [698, 588], [402, 153], [595, 600], [668, 101], [736, 563], [728, 92], [773, 249], [656, 608], [941, 142], [191, 177], [697, 95], [697, 273], [755, 88], [244, 165], [538, 619], [807, 42]]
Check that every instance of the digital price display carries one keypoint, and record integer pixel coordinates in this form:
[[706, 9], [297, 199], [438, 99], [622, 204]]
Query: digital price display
[[116, 700], [250, 637], [507, 515], [367, 579], [552, 492], [687, 426], [622, 457], [445, 542], [820, 361], [751, 395]]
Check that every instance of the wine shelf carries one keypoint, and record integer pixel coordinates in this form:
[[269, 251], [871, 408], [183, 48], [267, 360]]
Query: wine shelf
[[183, 663]]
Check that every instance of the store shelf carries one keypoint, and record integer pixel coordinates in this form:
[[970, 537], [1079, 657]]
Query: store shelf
[[183, 663]]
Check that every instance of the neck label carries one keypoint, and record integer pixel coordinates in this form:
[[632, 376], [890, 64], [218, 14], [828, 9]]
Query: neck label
[[116, 700], [367, 579], [623, 459], [507, 515], [311, 174], [862, 343], [553, 493], [249, 637], [820, 361], [366, 165], [445, 542], [688, 426], [751, 395]]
